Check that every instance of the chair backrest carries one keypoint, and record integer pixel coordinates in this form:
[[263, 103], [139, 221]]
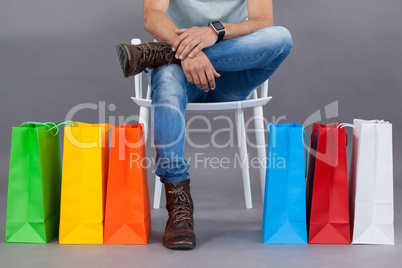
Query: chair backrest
[[138, 84]]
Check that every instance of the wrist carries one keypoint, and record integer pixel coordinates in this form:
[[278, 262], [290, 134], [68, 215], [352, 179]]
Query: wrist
[[219, 29], [212, 33]]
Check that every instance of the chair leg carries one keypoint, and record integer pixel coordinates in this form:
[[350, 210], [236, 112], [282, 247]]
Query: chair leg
[[144, 118], [241, 137], [260, 143], [157, 193]]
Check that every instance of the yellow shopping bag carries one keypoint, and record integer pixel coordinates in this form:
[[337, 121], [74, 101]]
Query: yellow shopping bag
[[85, 167]]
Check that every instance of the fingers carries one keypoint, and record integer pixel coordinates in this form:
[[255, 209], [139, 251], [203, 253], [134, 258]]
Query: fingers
[[192, 37], [211, 78], [196, 80], [197, 49], [189, 77], [183, 34], [187, 40], [180, 31], [178, 41], [186, 46], [216, 74], [206, 77], [190, 47], [197, 76], [203, 81], [200, 71]]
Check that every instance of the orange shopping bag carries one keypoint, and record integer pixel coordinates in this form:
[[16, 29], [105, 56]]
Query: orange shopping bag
[[128, 214]]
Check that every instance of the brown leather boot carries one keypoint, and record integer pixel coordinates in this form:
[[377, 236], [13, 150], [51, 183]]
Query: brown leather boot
[[179, 232], [135, 58]]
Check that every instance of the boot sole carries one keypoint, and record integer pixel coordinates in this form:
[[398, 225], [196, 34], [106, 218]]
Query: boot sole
[[123, 58], [179, 246]]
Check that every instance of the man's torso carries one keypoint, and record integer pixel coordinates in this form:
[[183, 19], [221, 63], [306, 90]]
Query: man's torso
[[190, 13]]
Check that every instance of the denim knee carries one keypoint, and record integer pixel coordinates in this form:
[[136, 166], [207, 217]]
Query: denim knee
[[277, 36], [277, 39], [168, 85], [284, 40]]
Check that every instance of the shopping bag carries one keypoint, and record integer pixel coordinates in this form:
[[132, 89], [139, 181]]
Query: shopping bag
[[34, 184], [284, 215], [85, 167], [128, 214], [327, 186], [371, 183]]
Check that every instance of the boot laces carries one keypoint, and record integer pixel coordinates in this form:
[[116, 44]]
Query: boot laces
[[151, 52], [181, 210]]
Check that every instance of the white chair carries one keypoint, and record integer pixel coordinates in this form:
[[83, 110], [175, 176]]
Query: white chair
[[237, 107]]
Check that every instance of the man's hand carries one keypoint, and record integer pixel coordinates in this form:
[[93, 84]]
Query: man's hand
[[193, 40], [199, 71]]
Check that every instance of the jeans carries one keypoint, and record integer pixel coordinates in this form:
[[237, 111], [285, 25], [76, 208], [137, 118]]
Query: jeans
[[244, 63]]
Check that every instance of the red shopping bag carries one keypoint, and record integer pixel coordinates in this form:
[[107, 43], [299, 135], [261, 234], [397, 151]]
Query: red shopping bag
[[327, 186], [128, 214]]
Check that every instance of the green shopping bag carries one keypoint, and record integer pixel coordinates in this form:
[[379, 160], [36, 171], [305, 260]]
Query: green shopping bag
[[33, 201]]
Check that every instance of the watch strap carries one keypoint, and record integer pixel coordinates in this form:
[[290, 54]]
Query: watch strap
[[221, 34]]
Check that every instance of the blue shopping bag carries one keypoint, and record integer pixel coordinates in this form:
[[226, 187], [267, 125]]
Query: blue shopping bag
[[284, 216]]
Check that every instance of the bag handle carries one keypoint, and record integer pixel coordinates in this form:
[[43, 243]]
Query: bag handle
[[305, 161], [56, 126], [343, 125], [313, 134], [46, 124], [50, 125]]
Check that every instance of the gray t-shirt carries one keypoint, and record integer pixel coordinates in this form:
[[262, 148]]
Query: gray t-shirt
[[190, 13]]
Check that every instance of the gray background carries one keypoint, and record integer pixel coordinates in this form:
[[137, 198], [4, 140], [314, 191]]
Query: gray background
[[57, 54]]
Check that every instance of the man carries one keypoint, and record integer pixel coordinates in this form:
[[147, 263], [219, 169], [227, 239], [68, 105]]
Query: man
[[214, 51]]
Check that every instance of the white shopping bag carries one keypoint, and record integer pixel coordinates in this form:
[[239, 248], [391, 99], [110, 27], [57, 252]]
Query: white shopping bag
[[371, 183]]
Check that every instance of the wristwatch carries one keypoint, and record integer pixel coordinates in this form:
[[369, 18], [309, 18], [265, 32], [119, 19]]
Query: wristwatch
[[218, 28]]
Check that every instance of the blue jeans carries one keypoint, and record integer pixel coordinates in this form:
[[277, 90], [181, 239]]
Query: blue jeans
[[244, 63]]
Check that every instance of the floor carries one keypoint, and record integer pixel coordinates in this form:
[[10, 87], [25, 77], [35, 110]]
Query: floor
[[228, 235]]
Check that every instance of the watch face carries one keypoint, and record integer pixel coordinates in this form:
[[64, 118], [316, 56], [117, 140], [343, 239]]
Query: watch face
[[218, 26]]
